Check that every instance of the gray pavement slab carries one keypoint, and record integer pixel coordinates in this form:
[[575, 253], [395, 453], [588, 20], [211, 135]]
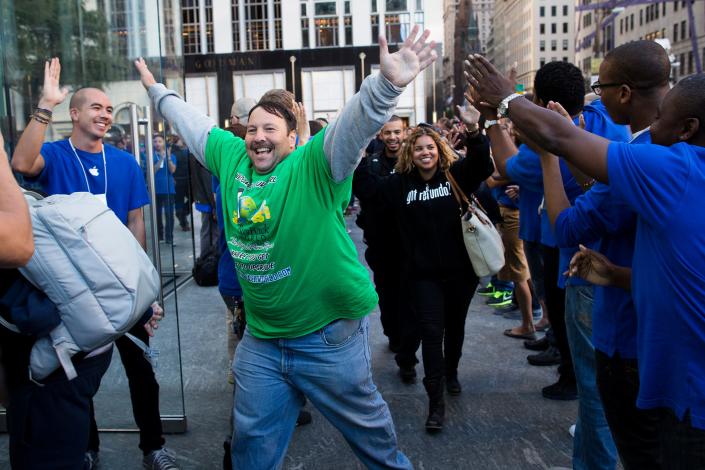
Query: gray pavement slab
[[500, 421]]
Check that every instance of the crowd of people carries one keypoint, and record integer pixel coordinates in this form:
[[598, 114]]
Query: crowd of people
[[595, 197]]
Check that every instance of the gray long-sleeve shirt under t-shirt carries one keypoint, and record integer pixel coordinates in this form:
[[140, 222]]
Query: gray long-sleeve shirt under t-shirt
[[345, 138]]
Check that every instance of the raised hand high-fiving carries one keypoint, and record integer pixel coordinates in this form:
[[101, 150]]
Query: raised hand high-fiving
[[404, 65], [146, 75], [52, 94]]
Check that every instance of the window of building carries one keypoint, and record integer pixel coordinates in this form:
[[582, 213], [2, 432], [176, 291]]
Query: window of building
[[565, 44], [587, 19], [656, 10], [396, 5], [553, 28], [675, 5], [553, 10], [236, 25], [683, 30], [256, 25], [326, 24], [663, 13], [209, 26], [641, 17], [690, 61], [419, 5], [190, 27], [542, 28], [621, 25], [565, 27], [682, 61], [374, 21], [419, 19], [675, 32], [542, 11], [542, 45], [631, 22], [542, 62], [565, 10], [554, 44], [396, 27], [373, 6], [565, 59], [118, 22], [278, 24], [347, 23]]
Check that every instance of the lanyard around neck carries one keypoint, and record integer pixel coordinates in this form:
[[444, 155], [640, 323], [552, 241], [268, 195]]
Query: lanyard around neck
[[85, 176]]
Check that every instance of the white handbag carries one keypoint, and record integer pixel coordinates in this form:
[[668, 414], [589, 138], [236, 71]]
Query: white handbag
[[482, 241]]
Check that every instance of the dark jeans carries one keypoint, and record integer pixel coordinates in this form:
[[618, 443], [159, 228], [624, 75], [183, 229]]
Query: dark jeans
[[555, 303], [144, 394], [682, 445], [181, 201], [388, 286], [436, 319], [635, 431], [49, 425], [165, 203]]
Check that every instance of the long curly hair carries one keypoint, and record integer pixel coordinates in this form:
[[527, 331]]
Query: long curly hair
[[446, 156]]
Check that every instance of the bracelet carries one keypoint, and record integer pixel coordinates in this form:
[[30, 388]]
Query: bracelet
[[44, 111], [40, 118], [491, 122], [587, 185]]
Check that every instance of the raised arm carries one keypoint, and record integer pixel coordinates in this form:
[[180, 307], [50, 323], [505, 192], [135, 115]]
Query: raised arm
[[27, 158], [550, 131], [365, 114], [190, 124], [16, 241]]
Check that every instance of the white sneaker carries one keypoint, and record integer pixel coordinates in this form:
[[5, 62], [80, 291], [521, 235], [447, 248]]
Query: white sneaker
[[161, 459], [571, 430]]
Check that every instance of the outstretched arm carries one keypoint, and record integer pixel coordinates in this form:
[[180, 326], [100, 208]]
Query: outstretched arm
[[365, 114], [27, 159], [588, 152], [190, 124], [16, 241]]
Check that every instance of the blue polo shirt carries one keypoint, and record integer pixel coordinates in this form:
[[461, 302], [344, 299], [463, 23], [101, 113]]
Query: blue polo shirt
[[64, 174], [499, 194], [163, 178], [665, 187], [521, 169], [597, 217], [228, 283]]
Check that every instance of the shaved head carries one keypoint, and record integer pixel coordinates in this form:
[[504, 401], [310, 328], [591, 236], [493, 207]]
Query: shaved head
[[642, 64], [83, 95]]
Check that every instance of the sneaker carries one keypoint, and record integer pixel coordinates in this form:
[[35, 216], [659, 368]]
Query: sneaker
[[501, 299], [549, 357], [407, 374], [537, 345], [304, 418], [512, 307], [562, 390], [91, 460], [488, 290], [162, 459]]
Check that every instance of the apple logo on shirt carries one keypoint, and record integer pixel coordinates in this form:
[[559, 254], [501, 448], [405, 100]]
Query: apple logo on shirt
[[93, 171]]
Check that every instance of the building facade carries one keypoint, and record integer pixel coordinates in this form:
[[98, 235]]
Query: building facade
[[527, 34], [319, 50], [678, 25]]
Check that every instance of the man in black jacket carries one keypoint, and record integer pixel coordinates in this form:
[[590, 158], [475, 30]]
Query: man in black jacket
[[380, 233]]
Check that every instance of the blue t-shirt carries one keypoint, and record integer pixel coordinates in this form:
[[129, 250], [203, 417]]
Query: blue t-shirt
[[665, 187], [64, 174], [499, 194], [163, 178], [596, 216], [228, 283], [522, 171]]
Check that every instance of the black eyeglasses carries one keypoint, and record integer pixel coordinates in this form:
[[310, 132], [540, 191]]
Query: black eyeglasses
[[597, 87]]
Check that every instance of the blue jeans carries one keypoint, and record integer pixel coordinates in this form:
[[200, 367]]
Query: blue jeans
[[332, 368], [593, 447]]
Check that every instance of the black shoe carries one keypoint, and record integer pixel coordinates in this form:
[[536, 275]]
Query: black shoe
[[561, 390], [453, 386], [537, 344], [304, 418], [550, 357], [394, 345], [436, 405], [407, 374]]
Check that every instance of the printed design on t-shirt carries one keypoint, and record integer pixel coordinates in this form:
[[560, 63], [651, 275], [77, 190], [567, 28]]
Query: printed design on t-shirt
[[248, 211], [94, 171], [245, 181], [427, 194]]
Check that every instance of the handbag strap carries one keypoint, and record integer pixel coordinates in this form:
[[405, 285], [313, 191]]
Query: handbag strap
[[457, 192]]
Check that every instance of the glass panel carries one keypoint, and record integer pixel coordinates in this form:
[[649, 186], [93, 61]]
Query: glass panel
[[97, 42], [325, 8], [396, 5]]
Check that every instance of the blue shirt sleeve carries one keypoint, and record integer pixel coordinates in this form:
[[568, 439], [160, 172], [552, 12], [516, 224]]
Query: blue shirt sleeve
[[524, 168], [593, 216], [650, 179]]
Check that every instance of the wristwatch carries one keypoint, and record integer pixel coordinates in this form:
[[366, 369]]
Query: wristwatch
[[491, 122], [503, 108]]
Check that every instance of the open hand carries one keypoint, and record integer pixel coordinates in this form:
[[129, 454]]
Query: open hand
[[558, 108], [146, 76], [592, 266], [489, 84], [52, 93], [404, 65], [470, 115], [302, 129], [487, 111]]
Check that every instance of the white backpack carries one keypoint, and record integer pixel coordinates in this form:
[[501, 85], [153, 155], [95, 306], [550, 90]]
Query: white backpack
[[92, 267]]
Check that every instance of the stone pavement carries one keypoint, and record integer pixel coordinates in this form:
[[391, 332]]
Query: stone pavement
[[499, 422]]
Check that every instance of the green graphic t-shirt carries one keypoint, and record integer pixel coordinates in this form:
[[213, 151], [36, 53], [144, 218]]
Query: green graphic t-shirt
[[297, 266]]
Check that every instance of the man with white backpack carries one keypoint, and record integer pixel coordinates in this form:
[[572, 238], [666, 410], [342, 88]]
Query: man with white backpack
[[83, 163]]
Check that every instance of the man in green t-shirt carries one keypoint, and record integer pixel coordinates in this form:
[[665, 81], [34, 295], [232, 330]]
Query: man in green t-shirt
[[307, 295]]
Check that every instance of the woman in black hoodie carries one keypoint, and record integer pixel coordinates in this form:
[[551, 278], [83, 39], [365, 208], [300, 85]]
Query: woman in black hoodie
[[437, 275]]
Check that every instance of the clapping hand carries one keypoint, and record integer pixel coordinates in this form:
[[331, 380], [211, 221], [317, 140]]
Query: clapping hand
[[302, 128], [489, 84], [404, 65], [52, 94]]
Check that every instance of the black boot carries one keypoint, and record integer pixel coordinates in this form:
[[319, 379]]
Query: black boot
[[452, 384], [436, 404]]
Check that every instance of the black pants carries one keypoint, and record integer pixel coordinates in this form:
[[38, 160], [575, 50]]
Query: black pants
[[49, 425], [181, 201], [388, 286], [165, 227], [436, 319], [144, 394], [635, 431], [555, 303]]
